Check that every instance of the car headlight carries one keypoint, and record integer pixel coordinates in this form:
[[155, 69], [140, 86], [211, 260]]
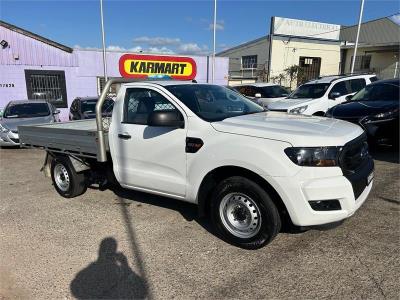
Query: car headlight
[[314, 156], [387, 114], [381, 116], [4, 129], [298, 110]]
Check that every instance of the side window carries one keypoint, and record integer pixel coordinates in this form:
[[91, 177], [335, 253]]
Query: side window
[[74, 106], [250, 91], [139, 103], [386, 92], [357, 84], [340, 87], [241, 89], [247, 90], [373, 79]]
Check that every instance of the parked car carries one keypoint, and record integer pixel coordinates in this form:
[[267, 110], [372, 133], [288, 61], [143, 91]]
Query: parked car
[[317, 96], [85, 108], [376, 109], [246, 168], [263, 93], [24, 112]]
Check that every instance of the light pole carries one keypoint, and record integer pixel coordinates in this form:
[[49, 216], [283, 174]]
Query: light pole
[[214, 37], [358, 34], [104, 42]]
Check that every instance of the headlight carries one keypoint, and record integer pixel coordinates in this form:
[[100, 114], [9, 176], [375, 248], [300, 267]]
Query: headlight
[[298, 110], [4, 129], [314, 156], [387, 114], [381, 117]]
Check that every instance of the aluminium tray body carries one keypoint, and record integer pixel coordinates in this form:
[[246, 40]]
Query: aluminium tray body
[[77, 138]]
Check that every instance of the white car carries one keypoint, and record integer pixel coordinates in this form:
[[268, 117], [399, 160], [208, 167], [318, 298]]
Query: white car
[[317, 96], [248, 169], [263, 93]]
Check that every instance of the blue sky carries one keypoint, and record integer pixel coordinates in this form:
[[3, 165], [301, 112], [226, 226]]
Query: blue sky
[[175, 26]]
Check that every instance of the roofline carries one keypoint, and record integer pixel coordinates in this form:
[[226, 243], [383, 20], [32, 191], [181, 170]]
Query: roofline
[[35, 36], [243, 44], [386, 17]]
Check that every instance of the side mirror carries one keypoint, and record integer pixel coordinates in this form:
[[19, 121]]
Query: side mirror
[[166, 119], [349, 97], [334, 95], [56, 112], [258, 95]]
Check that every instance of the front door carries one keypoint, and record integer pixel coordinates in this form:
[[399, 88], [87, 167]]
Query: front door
[[147, 157]]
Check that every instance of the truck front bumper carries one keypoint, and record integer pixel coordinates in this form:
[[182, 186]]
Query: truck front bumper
[[300, 192]]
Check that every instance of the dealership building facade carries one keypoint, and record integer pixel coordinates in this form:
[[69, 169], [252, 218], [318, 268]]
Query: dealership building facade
[[34, 67], [317, 49]]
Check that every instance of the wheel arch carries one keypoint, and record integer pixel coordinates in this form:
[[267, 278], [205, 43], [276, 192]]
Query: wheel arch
[[216, 175], [319, 113]]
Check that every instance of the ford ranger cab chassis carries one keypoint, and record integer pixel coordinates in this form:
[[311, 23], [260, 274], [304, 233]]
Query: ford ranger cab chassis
[[248, 169]]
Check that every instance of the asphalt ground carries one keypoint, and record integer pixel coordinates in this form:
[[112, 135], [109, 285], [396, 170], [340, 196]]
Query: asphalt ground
[[134, 245]]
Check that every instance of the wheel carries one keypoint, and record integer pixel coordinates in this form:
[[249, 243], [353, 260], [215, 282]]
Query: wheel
[[244, 214], [66, 181]]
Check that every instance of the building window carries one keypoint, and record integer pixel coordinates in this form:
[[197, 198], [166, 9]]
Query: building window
[[249, 62], [113, 89], [47, 85], [309, 68], [362, 62]]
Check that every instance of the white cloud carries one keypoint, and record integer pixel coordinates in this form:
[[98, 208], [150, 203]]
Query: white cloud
[[156, 41], [193, 49], [115, 48], [85, 48], [218, 26]]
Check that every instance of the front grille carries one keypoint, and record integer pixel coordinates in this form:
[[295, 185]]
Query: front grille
[[354, 154], [356, 163], [15, 140], [281, 110]]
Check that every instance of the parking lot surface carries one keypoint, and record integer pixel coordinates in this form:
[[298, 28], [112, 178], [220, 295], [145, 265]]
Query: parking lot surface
[[133, 245]]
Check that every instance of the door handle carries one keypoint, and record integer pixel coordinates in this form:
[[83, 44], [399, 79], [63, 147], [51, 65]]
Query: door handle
[[124, 136]]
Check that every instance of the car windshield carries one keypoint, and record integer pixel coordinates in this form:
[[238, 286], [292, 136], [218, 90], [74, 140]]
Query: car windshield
[[213, 102], [313, 91], [378, 92], [89, 106], [26, 110], [274, 91]]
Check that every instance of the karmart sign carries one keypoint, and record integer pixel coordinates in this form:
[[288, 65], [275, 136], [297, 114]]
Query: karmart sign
[[157, 66]]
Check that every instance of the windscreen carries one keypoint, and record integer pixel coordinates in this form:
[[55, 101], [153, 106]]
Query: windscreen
[[313, 91], [89, 106], [378, 92], [26, 110], [212, 102], [274, 91]]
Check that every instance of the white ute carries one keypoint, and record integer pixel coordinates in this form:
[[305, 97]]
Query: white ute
[[317, 96], [250, 170]]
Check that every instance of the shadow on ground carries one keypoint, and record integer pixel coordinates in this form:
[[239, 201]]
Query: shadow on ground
[[109, 277], [387, 154]]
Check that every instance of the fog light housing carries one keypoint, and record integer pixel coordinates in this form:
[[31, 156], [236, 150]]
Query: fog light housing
[[325, 205]]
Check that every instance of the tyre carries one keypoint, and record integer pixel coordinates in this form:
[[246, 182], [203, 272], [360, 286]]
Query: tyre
[[66, 181], [244, 214]]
